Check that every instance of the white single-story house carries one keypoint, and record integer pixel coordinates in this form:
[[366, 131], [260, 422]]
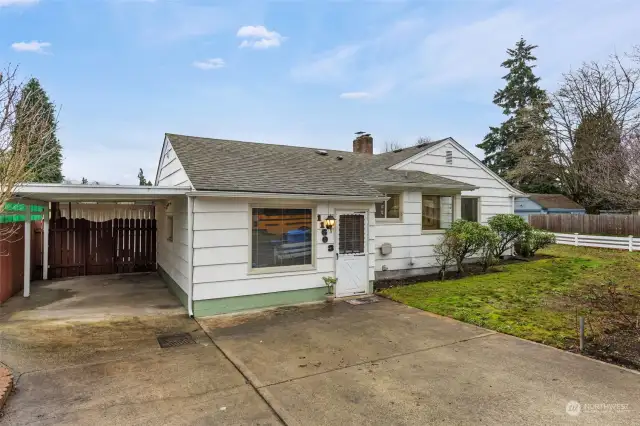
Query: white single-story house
[[546, 204], [262, 224]]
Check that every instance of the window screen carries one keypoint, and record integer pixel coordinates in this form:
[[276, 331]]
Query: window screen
[[430, 212], [470, 209], [389, 209], [351, 234], [281, 237]]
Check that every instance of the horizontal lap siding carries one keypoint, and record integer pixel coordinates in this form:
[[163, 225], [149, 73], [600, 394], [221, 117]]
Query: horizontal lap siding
[[221, 251], [410, 248], [171, 172], [173, 256]]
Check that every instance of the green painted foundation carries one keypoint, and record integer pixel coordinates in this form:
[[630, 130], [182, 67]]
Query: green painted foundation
[[174, 288], [204, 308]]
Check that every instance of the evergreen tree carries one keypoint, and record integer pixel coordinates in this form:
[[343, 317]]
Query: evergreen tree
[[519, 99], [45, 156], [143, 181], [84, 181]]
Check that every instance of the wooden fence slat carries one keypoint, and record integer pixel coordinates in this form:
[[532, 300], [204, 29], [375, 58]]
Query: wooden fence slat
[[614, 225]]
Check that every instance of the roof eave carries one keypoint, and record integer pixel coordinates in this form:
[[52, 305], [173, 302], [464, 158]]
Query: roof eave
[[423, 185], [287, 196]]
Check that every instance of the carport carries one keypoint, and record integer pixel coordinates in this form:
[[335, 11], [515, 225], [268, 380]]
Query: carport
[[45, 194]]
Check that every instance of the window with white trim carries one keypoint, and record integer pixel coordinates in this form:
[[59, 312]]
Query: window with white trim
[[281, 237], [469, 209], [169, 228], [437, 212], [389, 209]]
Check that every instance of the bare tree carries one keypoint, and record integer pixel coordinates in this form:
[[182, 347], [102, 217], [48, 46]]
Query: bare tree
[[18, 149], [422, 140], [390, 146], [595, 90]]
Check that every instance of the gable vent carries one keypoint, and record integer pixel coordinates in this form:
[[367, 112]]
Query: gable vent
[[449, 157]]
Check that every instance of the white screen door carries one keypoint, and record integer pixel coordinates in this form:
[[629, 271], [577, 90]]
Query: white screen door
[[351, 256]]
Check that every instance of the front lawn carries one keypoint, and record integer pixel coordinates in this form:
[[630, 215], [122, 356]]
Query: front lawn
[[538, 300]]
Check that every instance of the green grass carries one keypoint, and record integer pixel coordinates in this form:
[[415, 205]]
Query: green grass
[[534, 300]]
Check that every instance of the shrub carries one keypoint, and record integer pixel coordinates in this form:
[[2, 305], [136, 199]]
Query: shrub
[[534, 240], [488, 252], [444, 252], [510, 228], [466, 239]]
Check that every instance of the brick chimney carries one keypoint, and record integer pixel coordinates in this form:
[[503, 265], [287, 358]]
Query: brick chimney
[[363, 143]]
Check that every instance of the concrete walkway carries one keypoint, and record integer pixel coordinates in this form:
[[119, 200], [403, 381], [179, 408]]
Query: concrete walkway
[[386, 363]]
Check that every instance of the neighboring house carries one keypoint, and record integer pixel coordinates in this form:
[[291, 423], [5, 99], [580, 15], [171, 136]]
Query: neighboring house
[[546, 204], [253, 233]]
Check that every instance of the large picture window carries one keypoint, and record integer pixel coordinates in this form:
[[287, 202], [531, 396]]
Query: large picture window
[[281, 237], [389, 209]]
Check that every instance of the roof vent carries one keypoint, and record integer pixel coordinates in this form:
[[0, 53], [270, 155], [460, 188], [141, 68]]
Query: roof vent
[[339, 157], [397, 150], [321, 152]]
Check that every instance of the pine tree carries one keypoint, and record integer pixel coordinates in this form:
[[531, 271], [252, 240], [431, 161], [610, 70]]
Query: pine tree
[[142, 180], [45, 156], [520, 97], [85, 181]]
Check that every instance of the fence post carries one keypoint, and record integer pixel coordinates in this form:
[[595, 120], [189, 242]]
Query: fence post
[[630, 242], [575, 239]]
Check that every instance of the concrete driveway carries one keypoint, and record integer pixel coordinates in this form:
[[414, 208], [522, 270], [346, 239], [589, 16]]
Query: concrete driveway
[[84, 351], [386, 363], [82, 359]]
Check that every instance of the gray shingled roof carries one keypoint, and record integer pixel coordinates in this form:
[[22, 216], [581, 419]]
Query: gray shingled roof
[[224, 165], [555, 201]]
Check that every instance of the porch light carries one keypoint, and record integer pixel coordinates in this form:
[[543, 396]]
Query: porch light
[[330, 222]]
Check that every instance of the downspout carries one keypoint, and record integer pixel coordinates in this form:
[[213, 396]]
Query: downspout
[[190, 200]]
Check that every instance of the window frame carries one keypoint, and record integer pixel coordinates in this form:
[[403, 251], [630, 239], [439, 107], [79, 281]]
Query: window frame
[[478, 206], [400, 208], [170, 223], [278, 269]]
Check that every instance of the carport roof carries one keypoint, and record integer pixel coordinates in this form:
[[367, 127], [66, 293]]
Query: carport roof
[[55, 192]]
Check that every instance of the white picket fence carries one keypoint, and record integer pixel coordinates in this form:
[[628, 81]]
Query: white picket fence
[[580, 240]]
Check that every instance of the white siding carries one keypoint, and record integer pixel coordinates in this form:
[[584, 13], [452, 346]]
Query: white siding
[[221, 249], [411, 248], [170, 170], [173, 256]]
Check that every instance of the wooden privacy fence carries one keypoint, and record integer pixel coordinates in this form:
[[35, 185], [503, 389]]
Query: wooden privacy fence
[[82, 247], [620, 243], [12, 257], [614, 225]]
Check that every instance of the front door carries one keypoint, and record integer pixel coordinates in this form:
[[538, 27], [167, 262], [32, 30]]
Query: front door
[[351, 256]]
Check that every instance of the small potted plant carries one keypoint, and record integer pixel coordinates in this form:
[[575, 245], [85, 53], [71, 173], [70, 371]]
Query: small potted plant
[[330, 282]]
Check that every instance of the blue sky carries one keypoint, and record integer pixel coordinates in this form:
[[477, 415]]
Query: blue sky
[[311, 73]]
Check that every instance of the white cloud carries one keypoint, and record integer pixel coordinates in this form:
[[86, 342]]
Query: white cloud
[[4, 3], [259, 37], [210, 64], [355, 95], [32, 46]]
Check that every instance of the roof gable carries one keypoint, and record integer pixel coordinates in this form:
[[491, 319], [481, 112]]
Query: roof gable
[[225, 165], [434, 146]]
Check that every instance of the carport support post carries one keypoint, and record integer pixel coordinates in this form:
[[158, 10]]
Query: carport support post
[[457, 207], [27, 250], [45, 243]]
